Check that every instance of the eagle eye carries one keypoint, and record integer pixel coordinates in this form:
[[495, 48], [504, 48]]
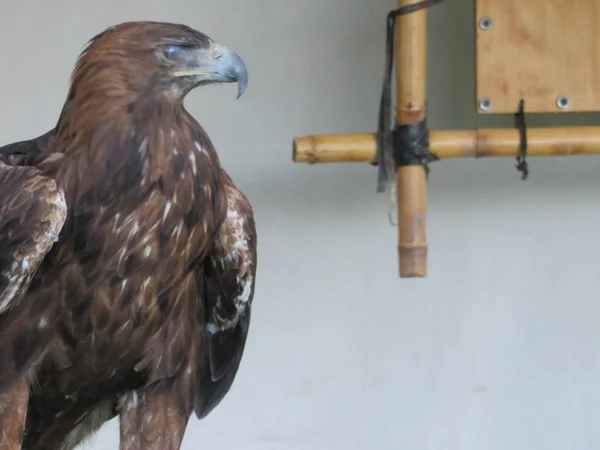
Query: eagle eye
[[172, 51]]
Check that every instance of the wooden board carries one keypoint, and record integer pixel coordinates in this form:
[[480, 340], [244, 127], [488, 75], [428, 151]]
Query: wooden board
[[538, 50]]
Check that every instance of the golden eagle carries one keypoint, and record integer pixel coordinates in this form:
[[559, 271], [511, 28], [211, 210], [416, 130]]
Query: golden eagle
[[127, 253]]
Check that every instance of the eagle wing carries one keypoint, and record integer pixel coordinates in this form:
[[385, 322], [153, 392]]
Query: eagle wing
[[230, 281], [32, 213], [23, 153]]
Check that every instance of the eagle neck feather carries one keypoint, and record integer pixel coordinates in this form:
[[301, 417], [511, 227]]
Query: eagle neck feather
[[131, 149]]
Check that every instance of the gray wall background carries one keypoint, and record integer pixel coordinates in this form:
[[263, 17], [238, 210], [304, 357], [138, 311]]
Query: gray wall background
[[497, 349]]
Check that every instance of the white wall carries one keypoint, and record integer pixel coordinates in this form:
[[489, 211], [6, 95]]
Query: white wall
[[497, 349]]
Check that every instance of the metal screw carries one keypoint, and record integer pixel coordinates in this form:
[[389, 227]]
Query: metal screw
[[562, 102], [485, 104], [485, 23]]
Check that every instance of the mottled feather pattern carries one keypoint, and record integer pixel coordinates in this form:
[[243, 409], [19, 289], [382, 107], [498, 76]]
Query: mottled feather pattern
[[230, 284], [148, 290], [32, 213]]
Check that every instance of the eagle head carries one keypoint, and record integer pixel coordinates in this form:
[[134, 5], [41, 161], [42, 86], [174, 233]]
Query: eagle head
[[156, 59]]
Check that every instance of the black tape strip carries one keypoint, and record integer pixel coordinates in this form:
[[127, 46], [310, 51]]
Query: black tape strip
[[522, 165]]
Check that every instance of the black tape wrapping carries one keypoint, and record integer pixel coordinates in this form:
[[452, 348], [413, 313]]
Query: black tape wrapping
[[388, 142], [410, 145]]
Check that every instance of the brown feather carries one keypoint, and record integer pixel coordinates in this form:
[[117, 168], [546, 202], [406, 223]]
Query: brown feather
[[13, 412], [155, 418], [158, 243]]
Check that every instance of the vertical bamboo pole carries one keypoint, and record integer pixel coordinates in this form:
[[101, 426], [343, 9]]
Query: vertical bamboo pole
[[411, 44]]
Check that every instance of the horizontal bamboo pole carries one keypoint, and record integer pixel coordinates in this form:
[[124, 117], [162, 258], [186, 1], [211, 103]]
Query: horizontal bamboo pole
[[492, 142]]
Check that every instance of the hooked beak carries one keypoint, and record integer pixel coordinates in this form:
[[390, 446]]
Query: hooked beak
[[218, 64]]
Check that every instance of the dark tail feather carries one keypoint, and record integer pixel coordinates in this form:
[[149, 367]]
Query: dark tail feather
[[222, 355]]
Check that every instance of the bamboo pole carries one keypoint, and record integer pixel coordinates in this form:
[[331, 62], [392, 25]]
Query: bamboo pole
[[447, 144], [410, 49], [411, 183]]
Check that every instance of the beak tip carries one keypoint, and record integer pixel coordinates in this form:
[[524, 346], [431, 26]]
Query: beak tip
[[241, 76], [242, 84]]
